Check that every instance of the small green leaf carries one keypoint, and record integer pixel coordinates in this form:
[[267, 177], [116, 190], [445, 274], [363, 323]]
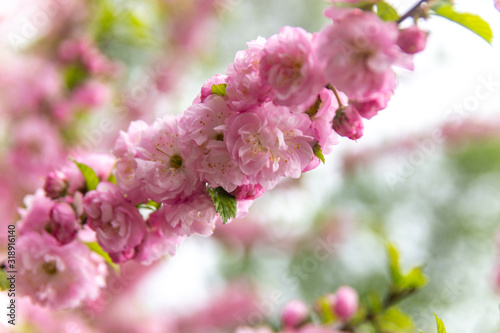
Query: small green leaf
[[413, 280], [95, 247], [112, 178], [470, 21], [394, 320], [386, 12], [318, 153], [4, 283], [153, 205], [225, 204], [440, 325], [91, 179], [394, 267], [327, 315], [219, 89]]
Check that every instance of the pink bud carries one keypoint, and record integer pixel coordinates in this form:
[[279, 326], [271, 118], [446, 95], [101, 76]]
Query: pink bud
[[294, 314], [412, 40], [347, 122], [346, 302], [56, 184], [64, 224]]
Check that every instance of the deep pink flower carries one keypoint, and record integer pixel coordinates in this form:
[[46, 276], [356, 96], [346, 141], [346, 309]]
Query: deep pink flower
[[245, 88], [348, 123], [412, 40], [118, 224], [202, 144], [295, 313], [268, 143], [289, 66], [58, 276], [358, 52], [56, 184]]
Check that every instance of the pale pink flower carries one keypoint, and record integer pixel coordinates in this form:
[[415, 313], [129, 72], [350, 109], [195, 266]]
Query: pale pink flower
[[348, 122], [346, 302], [412, 40], [202, 144], [166, 177], [193, 216], [245, 89], [357, 54], [58, 276], [118, 224], [289, 66], [268, 143], [295, 313]]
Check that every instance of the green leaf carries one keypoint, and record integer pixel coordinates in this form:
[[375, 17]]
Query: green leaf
[[386, 12], [95, 247], [4, 283], [470, 21], [153, 205], [440, 325], [394, 267], [225, 204], [318, 153], [413, 280], [325, 309], [219, 89], [91, 179], [394, 320], [112, 178]]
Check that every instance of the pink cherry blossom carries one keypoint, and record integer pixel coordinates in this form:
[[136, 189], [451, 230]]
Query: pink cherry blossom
[[91, 94], [358, 52], [206, 89], [118, 224], [202, 144], [368, 108], [348, 122], [412, 40], [194, 216], [63, 224], [248, 192], [56, 184], [295, 313], [289, 66], [156, 244], [165, 175], [58, 276], [245, 89], [268, 143]]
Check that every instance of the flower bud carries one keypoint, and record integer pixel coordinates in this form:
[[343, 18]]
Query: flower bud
[[370, 107], [56, 184], [64, 224], [412, 40], [294, 314], [346, 302], [347, 122]]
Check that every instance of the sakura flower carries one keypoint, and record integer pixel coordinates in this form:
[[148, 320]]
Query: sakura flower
[[63, 224], [202, 144], [206, 89], [412, 40], [370, 107], [58, 276], [118, 224], [56, 184], [268, 142], [156, 244], [289, 66], [193, 216], [358, 52], [165, 175], [245, 88]]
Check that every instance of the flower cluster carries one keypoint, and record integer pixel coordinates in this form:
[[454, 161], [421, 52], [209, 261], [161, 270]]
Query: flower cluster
[[280, 105]]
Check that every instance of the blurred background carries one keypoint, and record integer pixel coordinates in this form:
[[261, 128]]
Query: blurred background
[[425, 176]]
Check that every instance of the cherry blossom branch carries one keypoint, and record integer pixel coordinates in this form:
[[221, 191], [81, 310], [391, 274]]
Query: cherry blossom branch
[[411, 11]]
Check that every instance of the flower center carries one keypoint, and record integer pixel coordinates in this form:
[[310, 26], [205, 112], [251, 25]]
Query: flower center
[[175, 162], [50, 267]]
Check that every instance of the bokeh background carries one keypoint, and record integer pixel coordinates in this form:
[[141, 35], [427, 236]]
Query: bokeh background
[[425, 176]]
